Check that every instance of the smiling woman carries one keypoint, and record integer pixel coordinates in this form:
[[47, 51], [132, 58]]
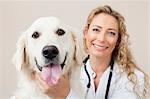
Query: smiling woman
[[106, 41]]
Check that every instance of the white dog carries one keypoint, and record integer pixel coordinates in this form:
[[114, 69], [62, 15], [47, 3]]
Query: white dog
[[50, 48]]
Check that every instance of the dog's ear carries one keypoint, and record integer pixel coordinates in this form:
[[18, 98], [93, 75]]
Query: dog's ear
[[19, 58], [79, 53]]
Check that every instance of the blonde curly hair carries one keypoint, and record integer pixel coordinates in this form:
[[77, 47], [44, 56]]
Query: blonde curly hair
[[121, 53]]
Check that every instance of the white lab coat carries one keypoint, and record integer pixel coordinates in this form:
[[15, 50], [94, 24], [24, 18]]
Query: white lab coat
[[120, 87]]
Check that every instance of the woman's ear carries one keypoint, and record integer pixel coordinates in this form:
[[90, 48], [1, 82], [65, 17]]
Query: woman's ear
[[20, 55]]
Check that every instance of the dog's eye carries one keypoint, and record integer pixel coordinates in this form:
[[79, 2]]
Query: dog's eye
[[35, 35], [60, 32]]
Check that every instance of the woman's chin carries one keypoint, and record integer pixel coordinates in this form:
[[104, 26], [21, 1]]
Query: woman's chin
[[98, 53]]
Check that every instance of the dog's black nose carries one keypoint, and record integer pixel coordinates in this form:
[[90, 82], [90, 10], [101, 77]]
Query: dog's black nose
[[50, 52]]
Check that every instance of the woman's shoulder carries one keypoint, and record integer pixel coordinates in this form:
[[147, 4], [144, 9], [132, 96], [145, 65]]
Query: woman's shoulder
[[123, 79], [139, 73], [122, 74]]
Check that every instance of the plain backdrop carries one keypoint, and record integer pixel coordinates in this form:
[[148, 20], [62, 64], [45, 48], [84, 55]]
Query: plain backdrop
[[17, 15]]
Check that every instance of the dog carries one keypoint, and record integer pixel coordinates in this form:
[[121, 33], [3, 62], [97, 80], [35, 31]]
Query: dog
[[51, 48]]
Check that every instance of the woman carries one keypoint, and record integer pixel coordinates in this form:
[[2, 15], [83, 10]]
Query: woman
[[109, 71], [106, 41]]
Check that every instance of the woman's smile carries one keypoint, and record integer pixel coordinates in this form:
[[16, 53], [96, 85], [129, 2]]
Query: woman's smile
[[99, 47]]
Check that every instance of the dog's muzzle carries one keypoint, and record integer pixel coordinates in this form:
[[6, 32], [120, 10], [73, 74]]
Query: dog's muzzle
[[62, 64]]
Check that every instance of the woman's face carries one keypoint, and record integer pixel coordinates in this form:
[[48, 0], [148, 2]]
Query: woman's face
[[102, 35]]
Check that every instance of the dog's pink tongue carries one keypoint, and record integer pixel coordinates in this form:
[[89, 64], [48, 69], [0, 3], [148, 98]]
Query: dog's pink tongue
[[51, 74]]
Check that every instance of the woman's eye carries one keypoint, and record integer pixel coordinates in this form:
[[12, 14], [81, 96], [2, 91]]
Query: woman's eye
[[35, 35], [96, 30], [112, 34]]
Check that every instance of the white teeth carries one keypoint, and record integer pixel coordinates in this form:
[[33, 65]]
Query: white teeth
[[98, 46]]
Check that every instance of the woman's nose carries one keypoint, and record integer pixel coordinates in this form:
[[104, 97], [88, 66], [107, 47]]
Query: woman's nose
[[102, 36]]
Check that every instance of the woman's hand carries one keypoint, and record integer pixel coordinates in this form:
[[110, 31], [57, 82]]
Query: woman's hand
[[57, 91]]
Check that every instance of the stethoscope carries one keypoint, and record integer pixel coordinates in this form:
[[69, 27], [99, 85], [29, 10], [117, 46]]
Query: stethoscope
[[109, 78]]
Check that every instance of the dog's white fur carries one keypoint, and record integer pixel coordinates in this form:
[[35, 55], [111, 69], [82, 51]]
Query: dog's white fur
[[28, 48]]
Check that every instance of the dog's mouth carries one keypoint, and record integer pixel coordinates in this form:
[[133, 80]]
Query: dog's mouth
[[51, 73]]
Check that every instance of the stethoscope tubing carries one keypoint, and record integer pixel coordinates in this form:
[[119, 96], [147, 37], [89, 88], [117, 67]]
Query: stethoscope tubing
[[89, 79]]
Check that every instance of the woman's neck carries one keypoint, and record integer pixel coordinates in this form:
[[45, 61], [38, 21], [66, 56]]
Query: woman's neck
[[99, 64]]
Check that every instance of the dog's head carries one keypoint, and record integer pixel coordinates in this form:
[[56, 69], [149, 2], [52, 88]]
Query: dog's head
[[49, 47]]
